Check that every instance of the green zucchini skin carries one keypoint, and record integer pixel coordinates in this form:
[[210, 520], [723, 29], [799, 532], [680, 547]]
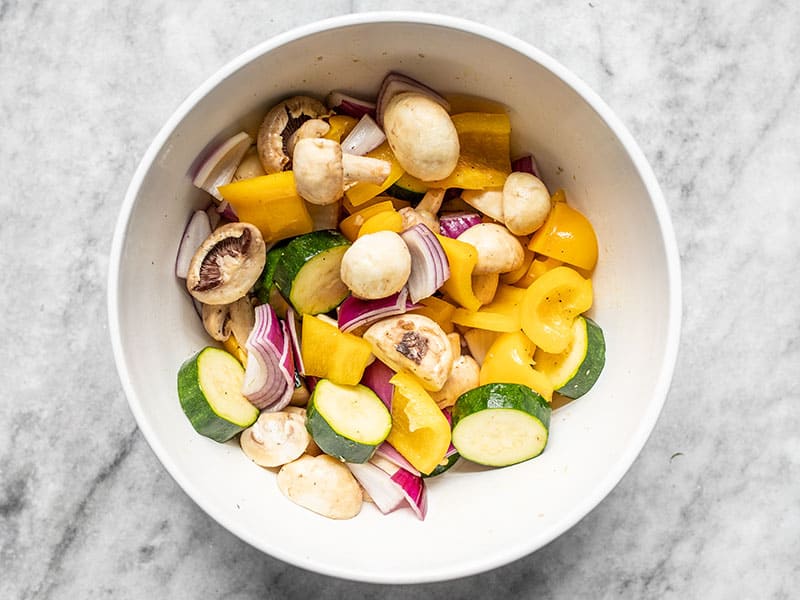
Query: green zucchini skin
[[507, 401], [264, 286], [333, 442], [198, 407], [451, 460], [591, 367], [401, 193], [309, 251]]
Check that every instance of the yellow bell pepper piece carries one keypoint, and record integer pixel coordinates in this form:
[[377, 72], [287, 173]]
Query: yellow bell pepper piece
[[568, 236], [465, 103], [333, 354], [550, 305], [341, 125], [233, 347], [514, 276], [389, 220], [437, 310], [502, 314], [510, 360], [538, 267], [361, 192], [397, 204], [271, 203], [409, 182], [351, 225], [462, 258], [420, 431], [484, 160]]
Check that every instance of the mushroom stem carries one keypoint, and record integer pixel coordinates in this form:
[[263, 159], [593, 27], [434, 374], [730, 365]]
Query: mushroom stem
[[432, 200], [363, 168]]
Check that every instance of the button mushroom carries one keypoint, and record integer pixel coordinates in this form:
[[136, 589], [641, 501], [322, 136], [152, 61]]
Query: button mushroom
[[222, 320], [227, 264], [498, 250], [421, 135], [249, 167], [279, 124], [321, 484], [464, 376], [425, 211], [488, 201], [413, 343], [313, 128], [322, 171], [376, 265], [276, 438], [526, 203]]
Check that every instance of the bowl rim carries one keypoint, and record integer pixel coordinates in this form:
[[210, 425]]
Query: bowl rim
[[643, 168]]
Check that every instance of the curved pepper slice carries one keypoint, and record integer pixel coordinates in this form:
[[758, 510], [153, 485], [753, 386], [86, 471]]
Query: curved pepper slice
[[568, 236], [389, 220], [502, 314], [363, 191], [510, 360], [333, 354], [551, 304], [462, 258], [351, 225], [341, 125], [420, 431]]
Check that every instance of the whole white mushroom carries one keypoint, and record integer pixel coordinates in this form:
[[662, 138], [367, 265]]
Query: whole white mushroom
[[376, 265]]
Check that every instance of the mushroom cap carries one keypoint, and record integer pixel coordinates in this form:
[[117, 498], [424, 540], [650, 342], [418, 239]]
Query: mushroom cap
[[376, 265], [275, 439], [318, 174], [227, 264], [526, 203], [498, 250], [421, 135], [321, 484], [280, 122]]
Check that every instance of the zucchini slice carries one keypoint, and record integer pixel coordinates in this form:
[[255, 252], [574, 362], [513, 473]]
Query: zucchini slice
[[574, 371], [500, 424], [209, 390], [307, 273], [347, 421]]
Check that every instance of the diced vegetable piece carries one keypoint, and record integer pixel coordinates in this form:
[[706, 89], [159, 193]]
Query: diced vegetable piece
[[510, 360], [271, 203], [429, 266], [568, 236], [333, 354], [377, 377], [347, 421], [514, 276], [269, 375], [502, 314], [265, 286], [349, 105], [355, 312], [420, 431], [364, 137], [479, 341], [462, 258], [484, 160], [196, 232], [408, 188], [233, 348], [219, 167], [308, 272], [538, 267], [437, 310], [384, 492], [465, 103], [550, 305], [341, 125], [321, 484], [209, 385], [362, 192], [454, 224], [500, 424], [389, 220], [484, 286], [574, 371], [351, 225]]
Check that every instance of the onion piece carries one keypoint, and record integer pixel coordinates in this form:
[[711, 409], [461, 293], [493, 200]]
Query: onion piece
[[365, 136], [525, 164], [226, 211], [349, 105], [269, 375], [387, 451], [355, 312], [376, 377], [291, 318], [385, 493], [219, 167], [197, 230], [395, 83], [429, 265], [454, 224], [412, 486]]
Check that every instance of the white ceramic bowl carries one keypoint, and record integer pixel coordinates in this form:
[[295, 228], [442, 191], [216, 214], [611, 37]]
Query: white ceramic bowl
[[477, 519]]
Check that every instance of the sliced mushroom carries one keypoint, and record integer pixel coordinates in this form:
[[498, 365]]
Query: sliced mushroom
[[322, 171], [275, 439], [464, 376], [227, 264], [415, 343], [220, 320], [321, 484], [279, 124], [498, 250]]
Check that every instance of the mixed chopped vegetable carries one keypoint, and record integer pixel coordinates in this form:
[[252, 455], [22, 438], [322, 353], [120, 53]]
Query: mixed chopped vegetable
[[391, 294]]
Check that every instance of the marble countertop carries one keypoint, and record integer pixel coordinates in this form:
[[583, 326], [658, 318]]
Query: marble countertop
[[711, 508]]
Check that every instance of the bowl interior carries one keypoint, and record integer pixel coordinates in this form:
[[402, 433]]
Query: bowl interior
[[477, 519]]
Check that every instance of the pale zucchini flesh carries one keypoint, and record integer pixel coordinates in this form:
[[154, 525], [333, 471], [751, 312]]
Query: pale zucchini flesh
[[499, 437]]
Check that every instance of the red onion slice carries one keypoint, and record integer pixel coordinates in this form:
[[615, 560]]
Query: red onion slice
[[390, 453], [269, 375], [454, 224], [526, 164], [412, 486], [355, 312], [291, 318], [349, 105], [385, 493], [376, 377], [395, 83], [219, 167], [429, 265], [197, 230], [365, 136]]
